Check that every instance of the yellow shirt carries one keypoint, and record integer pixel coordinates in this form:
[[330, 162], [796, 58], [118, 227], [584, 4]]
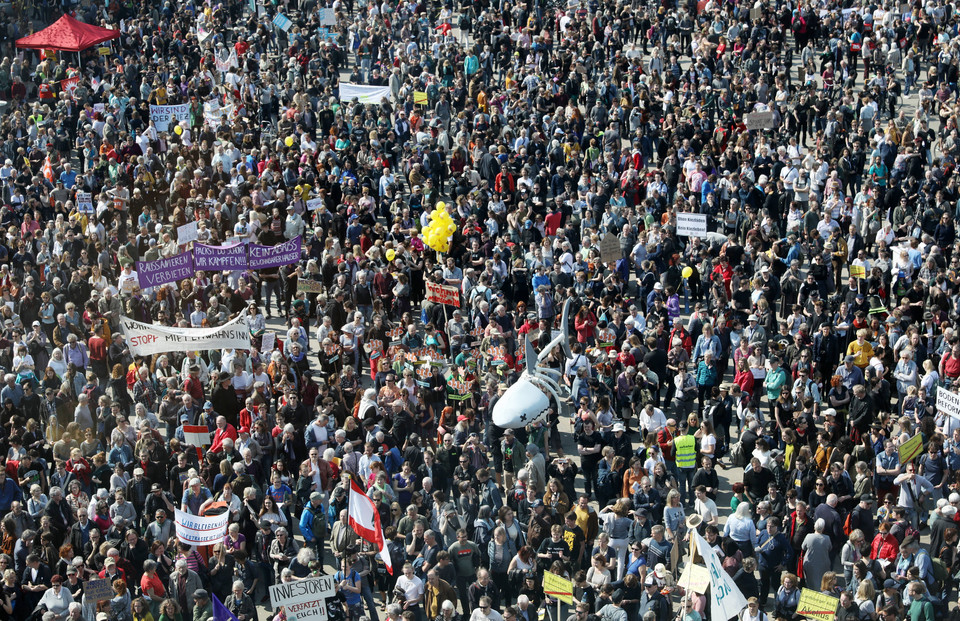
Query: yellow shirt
[[861, 353]]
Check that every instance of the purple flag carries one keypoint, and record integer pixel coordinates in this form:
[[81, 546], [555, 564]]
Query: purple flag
[[274, 256], [221, 612], [216, 258], [153, 273]]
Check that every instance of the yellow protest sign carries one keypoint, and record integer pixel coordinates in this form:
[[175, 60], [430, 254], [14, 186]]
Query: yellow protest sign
[[858, 271], [910, 449], [104, 51], [695, 578], [420, 98], [558, 587], [816, 605]]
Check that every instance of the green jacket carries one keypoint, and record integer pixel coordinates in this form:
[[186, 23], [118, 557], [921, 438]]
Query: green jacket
[[203, 612]]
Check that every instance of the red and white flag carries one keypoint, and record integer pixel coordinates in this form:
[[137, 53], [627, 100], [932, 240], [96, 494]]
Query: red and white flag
[[48, 170], [365, 521]]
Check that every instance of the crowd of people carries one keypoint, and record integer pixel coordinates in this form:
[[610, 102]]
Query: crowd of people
[[808, 336]]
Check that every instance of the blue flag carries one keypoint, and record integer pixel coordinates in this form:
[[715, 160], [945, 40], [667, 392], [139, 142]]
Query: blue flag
[[220, 612]]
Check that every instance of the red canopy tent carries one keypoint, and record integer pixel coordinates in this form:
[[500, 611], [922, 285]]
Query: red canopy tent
[[68, 35]]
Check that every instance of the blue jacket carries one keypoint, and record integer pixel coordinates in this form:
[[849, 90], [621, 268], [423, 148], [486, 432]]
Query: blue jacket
[[773, 551], [306, 524], [9, 492]]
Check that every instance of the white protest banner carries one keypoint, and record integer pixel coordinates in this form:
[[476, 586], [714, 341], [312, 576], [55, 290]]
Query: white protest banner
[[692, 224], [948, 403], [187, 233], [314, 203], [84, 202], [203, 33], [269, 341], [226, 63], [165, 117], [759, 120], [213, 112], [145, 339], [303, 599], [199, 530], [327, 17], [364, 94], [726, 599]]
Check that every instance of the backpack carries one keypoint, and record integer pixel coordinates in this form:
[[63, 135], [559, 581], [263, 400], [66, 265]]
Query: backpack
[[847, 529], [605, 480], [319, 525], [940, 573], [738, 456]]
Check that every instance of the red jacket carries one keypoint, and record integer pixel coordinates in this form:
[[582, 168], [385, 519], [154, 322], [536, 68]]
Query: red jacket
[[884, 547], [665, 440], [220, 434]]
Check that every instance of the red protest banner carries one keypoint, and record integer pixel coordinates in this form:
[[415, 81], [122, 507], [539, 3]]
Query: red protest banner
[[442, 294]]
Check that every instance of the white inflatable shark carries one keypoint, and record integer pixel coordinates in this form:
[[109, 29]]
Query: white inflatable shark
[[529, 398]]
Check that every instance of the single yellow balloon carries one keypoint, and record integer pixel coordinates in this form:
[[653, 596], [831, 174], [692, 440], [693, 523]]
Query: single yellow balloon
[[391, 255], [177, 130], [687, 272], [289, 141], [441, 205], [451, 228]]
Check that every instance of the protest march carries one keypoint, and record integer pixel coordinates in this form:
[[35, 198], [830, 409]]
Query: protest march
[[560, 310]]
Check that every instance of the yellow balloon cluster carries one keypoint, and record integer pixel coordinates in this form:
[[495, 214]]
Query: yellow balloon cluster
[[439, 232]]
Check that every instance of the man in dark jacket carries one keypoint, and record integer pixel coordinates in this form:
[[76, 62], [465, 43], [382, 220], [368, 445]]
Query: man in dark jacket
[[653, 601], [773, 554]]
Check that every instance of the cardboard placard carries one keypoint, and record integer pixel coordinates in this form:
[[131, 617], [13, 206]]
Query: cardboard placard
[[269, 341], [695, 578], [420, 98], [98, 590], [759, 120], [609, 249]]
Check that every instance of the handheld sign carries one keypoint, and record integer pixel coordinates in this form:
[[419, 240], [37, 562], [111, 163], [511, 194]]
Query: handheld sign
[[815, 605], [558, 587], [443, 294], [948, 403], [910, 449], [609, 248], [304, 599], [98, 590]]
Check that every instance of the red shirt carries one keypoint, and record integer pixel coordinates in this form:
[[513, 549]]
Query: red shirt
[[194, 387], [154, 584], [552, 222], [97, 347]]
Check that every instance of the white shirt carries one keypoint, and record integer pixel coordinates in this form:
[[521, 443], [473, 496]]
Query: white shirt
[[706, 509], [412, 587], [492, 615], [655, 423]]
